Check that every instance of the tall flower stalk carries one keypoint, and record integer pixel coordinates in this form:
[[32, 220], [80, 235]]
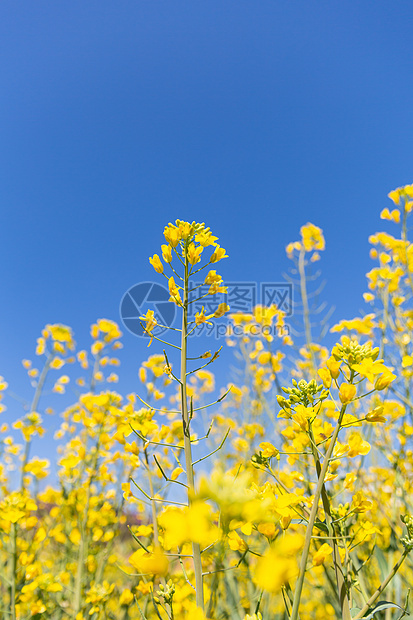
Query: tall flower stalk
[[187, 242]]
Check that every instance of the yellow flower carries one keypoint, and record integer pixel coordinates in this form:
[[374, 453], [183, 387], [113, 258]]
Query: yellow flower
[[395, 196], [347, 392], [349, 481], [221, 310], [166, 253], [156, 263], [267, 529], [325, 377], [350, 420], [126, 597], [185, 228], [357, 446], [151, 322], [219, 254], [37, 467], [312, 237], [155, 563], [360, 503], [201, 318], [407, 361], [322, 554], [296, 245], [41, 346], [369, 369], [376, 415], [188, 524], [268, 450], [205, 238], [279, 564], [384, 381], [194, 253], [174, 291], [75, 536], [172, 235], [196, 614], [334, 367]]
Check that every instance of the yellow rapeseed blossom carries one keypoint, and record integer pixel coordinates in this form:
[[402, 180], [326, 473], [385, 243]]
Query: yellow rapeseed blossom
[[312, 237], [156, 263], [320, 556], [279, 564], [347, 392], [155, 563]]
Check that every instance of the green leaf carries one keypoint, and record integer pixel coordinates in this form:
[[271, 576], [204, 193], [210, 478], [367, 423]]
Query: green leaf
[[321, 526], [381, 607]]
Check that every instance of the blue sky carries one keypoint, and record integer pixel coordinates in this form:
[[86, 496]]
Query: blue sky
[[255, 117]]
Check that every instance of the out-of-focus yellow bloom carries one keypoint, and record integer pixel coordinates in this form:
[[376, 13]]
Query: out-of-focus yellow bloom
[[221, 310], [325, 377], [357, 445], [268, 450], [296, 245], [126, 598], [279, 564], [37, 467], [192, 524], [312, 237], [360, 503], [393, 216], [322, 554], [155, 563]]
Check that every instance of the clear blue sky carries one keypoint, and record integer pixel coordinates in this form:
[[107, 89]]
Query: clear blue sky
[[253, 116]]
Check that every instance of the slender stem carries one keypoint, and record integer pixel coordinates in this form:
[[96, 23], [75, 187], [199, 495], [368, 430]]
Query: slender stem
[[405, 244], [341, 584], [33, 407], [83, 545], [13, 572], [306, 309], [313, 514], [382, 586], [187, 439]]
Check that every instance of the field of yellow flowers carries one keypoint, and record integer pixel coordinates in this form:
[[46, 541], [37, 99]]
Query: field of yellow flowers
[[284, 495]]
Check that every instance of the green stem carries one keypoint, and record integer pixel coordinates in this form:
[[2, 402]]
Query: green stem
[[381, 587], [83, 546], [313, 514], [13, 572], [306, 309], [341, 584], [33, 408], [187, 438]]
